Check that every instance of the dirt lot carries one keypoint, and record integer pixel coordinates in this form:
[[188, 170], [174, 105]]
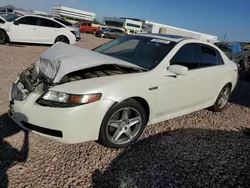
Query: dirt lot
[[203, 149]]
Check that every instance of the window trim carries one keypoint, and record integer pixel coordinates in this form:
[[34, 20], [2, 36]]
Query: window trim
[[54, 21], [216, 51]]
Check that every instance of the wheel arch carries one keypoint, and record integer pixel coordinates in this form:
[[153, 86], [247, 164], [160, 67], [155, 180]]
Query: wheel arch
[[138, 99], [61, 35], [8, 37]]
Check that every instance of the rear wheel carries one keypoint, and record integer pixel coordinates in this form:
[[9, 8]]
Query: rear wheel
[[62, 38], [222, 99], [244, 63], [3, 37], [123, 124]]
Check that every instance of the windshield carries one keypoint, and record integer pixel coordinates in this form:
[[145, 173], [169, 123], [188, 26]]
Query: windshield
[[10, 17], [145, 52]]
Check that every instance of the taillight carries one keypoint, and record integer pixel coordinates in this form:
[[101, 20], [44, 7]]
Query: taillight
[[73, 32]]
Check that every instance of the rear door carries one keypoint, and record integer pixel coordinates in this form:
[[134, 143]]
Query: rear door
[[26, 31], [48, 30], [211, 73]]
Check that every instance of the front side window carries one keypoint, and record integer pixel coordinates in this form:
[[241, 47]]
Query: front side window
[[145, 52], [28, 20], [188, 56]]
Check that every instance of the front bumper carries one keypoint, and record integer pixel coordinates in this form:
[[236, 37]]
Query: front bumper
[[66, 125]]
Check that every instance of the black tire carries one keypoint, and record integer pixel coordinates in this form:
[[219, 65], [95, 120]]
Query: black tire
[[62, 38], [244, 63], [217, 107], [105, 139], [3, 36]]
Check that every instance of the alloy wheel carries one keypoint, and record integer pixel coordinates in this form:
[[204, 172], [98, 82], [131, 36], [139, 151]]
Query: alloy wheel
[[124, 125], [224, 97], [62, 39]]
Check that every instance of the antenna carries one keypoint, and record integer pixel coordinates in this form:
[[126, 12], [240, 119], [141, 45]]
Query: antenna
[[225, 35], [150, 17]]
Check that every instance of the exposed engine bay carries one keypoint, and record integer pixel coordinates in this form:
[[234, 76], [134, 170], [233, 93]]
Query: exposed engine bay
[[30, 80], [99, 71]]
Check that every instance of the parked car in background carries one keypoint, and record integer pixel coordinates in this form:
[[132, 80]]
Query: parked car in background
[[234, 52], [101, 33], [73, 27], [86, 27], [114, 33], [34, 29], [112, 92]]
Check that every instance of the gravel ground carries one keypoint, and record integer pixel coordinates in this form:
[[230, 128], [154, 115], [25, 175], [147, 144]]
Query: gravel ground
[[202, 149]]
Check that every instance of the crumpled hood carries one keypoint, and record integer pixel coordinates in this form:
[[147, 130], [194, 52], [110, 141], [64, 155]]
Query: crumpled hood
[[62, 59]]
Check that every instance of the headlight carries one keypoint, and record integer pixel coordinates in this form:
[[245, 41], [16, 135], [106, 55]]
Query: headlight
[[58, 99]]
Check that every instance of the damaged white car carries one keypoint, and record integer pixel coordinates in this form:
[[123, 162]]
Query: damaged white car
[[111, 93]]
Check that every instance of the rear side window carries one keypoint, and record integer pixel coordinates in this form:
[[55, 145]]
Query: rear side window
[[208, 56], [220, 59], [1, 21], [49, 23], [28, 20], [188, 56], [64, 22]]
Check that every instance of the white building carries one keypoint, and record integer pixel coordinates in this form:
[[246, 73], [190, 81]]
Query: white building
[[153, 27], [123, 23], [71, 14], [38, 12]]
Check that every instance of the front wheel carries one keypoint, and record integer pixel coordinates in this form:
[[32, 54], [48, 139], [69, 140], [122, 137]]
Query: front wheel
[[62, 38], [123, 124], [222, 99]]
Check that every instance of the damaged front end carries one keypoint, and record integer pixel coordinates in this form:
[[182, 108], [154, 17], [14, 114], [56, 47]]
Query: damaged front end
[[29, 81], [40, 80]]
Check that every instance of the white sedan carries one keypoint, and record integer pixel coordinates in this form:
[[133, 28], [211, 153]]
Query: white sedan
[[34, 29], [112, 92]]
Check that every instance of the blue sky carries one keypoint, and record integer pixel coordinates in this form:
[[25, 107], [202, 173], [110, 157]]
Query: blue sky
[[208, 16]]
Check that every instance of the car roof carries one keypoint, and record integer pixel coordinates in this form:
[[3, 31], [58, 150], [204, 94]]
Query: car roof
[[39, 16], [174, 38]]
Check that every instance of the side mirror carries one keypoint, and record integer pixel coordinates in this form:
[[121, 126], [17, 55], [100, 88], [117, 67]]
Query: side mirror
[[16, 22], [178, 69]]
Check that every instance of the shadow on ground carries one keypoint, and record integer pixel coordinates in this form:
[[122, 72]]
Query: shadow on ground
[[181, 158], [9, 155]]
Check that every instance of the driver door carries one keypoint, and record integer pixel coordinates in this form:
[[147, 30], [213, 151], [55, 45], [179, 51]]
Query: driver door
[[180, 93], [25, 31]]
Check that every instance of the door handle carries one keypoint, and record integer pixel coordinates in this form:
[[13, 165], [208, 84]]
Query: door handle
[[34, 28]]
